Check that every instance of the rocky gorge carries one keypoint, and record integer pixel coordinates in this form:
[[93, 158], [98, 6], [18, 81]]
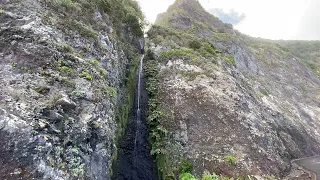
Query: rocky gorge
[[215, 103]]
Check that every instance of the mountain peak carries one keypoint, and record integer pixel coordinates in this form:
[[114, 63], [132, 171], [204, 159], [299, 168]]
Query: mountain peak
[[186, 14]]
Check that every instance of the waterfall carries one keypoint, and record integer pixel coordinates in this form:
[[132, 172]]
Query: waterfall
[[134, 161], [138, 113]]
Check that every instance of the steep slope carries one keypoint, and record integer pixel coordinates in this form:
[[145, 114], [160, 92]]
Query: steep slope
[[307, 51], [66, 77], [229, 103]]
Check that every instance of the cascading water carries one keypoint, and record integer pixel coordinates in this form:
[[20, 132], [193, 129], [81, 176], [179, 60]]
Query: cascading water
[[138, 115], [134, 160]]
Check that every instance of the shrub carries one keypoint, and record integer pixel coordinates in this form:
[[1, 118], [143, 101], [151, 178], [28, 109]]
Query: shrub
[[149, 55], [210, 177], [112, 92], [133, 22], [179, 52], [195, 45], [85, 30], [185, 167], [230, 159], [65, 48], [84, 74], [67, 4], [229, 60], [187, 176], [103, 72], [67, 70], [94, 62]]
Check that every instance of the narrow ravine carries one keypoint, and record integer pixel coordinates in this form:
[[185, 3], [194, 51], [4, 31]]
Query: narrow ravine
[[134, 160]]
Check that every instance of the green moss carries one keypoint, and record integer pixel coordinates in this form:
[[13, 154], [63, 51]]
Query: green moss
[[94, 62], [124, 107], [66, 70], [85, 74], [230, 159], [103, 72], [14, 64], [96, 124], [24, 68]]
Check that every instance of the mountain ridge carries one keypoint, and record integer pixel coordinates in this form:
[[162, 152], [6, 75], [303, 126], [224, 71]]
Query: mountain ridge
[[259, 100]]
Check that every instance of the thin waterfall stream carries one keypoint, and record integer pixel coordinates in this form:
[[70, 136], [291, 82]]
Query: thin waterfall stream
[[134, 161], [138, 119]]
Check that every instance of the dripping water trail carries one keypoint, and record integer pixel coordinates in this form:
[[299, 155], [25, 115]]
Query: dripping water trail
[[138, 113], [134, 161]]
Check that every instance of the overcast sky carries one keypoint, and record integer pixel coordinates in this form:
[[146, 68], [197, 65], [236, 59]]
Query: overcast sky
[[272, 19]]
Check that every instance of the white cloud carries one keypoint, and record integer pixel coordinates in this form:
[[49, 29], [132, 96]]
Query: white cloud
[[272, 19]]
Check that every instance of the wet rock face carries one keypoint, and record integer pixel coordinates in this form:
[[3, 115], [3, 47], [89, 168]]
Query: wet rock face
[[59, 89]]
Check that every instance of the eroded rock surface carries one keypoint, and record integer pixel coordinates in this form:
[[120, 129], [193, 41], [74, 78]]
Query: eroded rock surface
[[262, 107], [63, 67]]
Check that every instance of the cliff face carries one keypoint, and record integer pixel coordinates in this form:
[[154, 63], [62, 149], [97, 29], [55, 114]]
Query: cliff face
[[230, 104], [63, 89]]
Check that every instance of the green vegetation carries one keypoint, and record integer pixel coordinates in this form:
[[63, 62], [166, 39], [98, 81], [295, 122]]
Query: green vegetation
[[42, 89], [265, 92], [229, 60], [65, 48], [78, 94], [103, 72], [112, 91], [67, 70], [94, 62], [13, 64], [67, 83], [85, 30], [230, 159], [66, 4], [187, 176], [210, 177], [124, 108], [190, 75], [157, 132], [195, 45], [185, 167], [308, 53], [85, 74]]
